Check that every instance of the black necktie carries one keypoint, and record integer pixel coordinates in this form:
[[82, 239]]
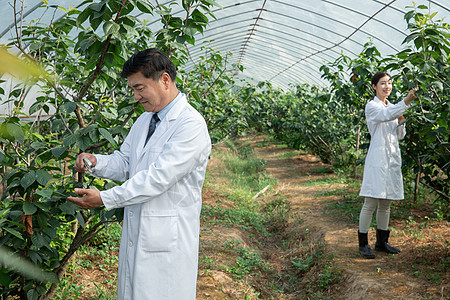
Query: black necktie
[[152, 127]]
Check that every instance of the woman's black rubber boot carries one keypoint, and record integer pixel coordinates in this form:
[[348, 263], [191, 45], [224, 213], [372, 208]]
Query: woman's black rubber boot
[[382, 242], [364, 248]]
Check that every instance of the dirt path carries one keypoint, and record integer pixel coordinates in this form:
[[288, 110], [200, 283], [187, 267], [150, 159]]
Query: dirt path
[[386, 276], [420, 271]]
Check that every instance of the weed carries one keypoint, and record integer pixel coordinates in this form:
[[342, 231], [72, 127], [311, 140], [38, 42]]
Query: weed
[[303, 264], [207, 262], [289, 154], [267, 220], [248, 261], [69, 288], [98, 252], [277, 214]]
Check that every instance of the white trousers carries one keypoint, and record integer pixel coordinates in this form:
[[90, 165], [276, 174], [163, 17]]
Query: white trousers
[[383, 214]]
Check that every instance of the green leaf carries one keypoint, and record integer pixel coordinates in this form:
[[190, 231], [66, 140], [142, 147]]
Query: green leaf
[[111, 28], [35, 107], [15, 131], [71, 139], [42, 219], [45, 193], [69, 208], [28, 179], [5, 279], [80, 220], [190, 30], [13, 232], [57, 152], [130, 29], [38, 145], [38, 240], [29, 208], [144, 7], [439, 85], [68, 107], [42, 177], [83, 142], [86, 43], [98, 7], [105, 133], [84, 15]]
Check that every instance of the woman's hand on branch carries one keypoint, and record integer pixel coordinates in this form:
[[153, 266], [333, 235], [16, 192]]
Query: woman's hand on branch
[[411, 96]]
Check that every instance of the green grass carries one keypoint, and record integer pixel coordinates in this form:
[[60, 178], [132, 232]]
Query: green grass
[[267, 220], [96, 253]]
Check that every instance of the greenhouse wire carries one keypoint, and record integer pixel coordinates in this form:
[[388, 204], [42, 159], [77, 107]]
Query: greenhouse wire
[[343, 23], [336, 45], [252, 30], [260, 28], [20, 19]]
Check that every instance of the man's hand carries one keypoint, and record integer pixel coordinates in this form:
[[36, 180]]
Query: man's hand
[[79, 164], [91, 198], [401, 119]]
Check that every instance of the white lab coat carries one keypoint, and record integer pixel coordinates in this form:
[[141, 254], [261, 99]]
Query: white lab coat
[[382, 177], [158, 256]]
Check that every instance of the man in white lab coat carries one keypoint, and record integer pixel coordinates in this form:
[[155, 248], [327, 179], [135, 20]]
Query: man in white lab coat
[[163, 178]]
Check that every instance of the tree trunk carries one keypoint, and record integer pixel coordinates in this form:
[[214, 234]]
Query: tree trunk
[[358, 133], [417, 180]]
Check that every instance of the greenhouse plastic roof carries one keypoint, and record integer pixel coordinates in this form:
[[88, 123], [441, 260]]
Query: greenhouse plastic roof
[[283, 41]]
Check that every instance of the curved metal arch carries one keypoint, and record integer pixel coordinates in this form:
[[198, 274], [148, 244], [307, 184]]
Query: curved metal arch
[[333, 32], [31, 10], [260, 58], [258, 42], [300, 68], [220, 42], [277, 64], [429, 1], [221, 33], [323, 28], [260, 35], [310, 23], [440, 5], [289, 80], [343, 23], [316, 36], [213, 11], [386, 5], [315, 63], [269, 37], [357, 12]]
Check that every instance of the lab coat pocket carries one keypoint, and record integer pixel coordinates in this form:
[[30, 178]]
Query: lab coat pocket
[[159, 231], [153, 153]]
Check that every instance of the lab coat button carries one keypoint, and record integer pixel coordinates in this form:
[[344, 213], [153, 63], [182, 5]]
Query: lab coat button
[[130, 243], [131, 213]]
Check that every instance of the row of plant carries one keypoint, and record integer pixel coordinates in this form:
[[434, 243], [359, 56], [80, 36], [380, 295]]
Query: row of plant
[[92, 109], [87, 107], [331, 122]]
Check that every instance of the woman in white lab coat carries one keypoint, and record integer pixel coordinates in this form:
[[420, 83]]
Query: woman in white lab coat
[[382, 179], [163, 173]]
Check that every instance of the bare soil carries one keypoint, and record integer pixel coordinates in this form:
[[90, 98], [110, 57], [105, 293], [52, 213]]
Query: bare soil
[[415, 273], [412, 274]]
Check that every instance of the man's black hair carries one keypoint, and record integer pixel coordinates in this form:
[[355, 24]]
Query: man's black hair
[[151, 62]]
